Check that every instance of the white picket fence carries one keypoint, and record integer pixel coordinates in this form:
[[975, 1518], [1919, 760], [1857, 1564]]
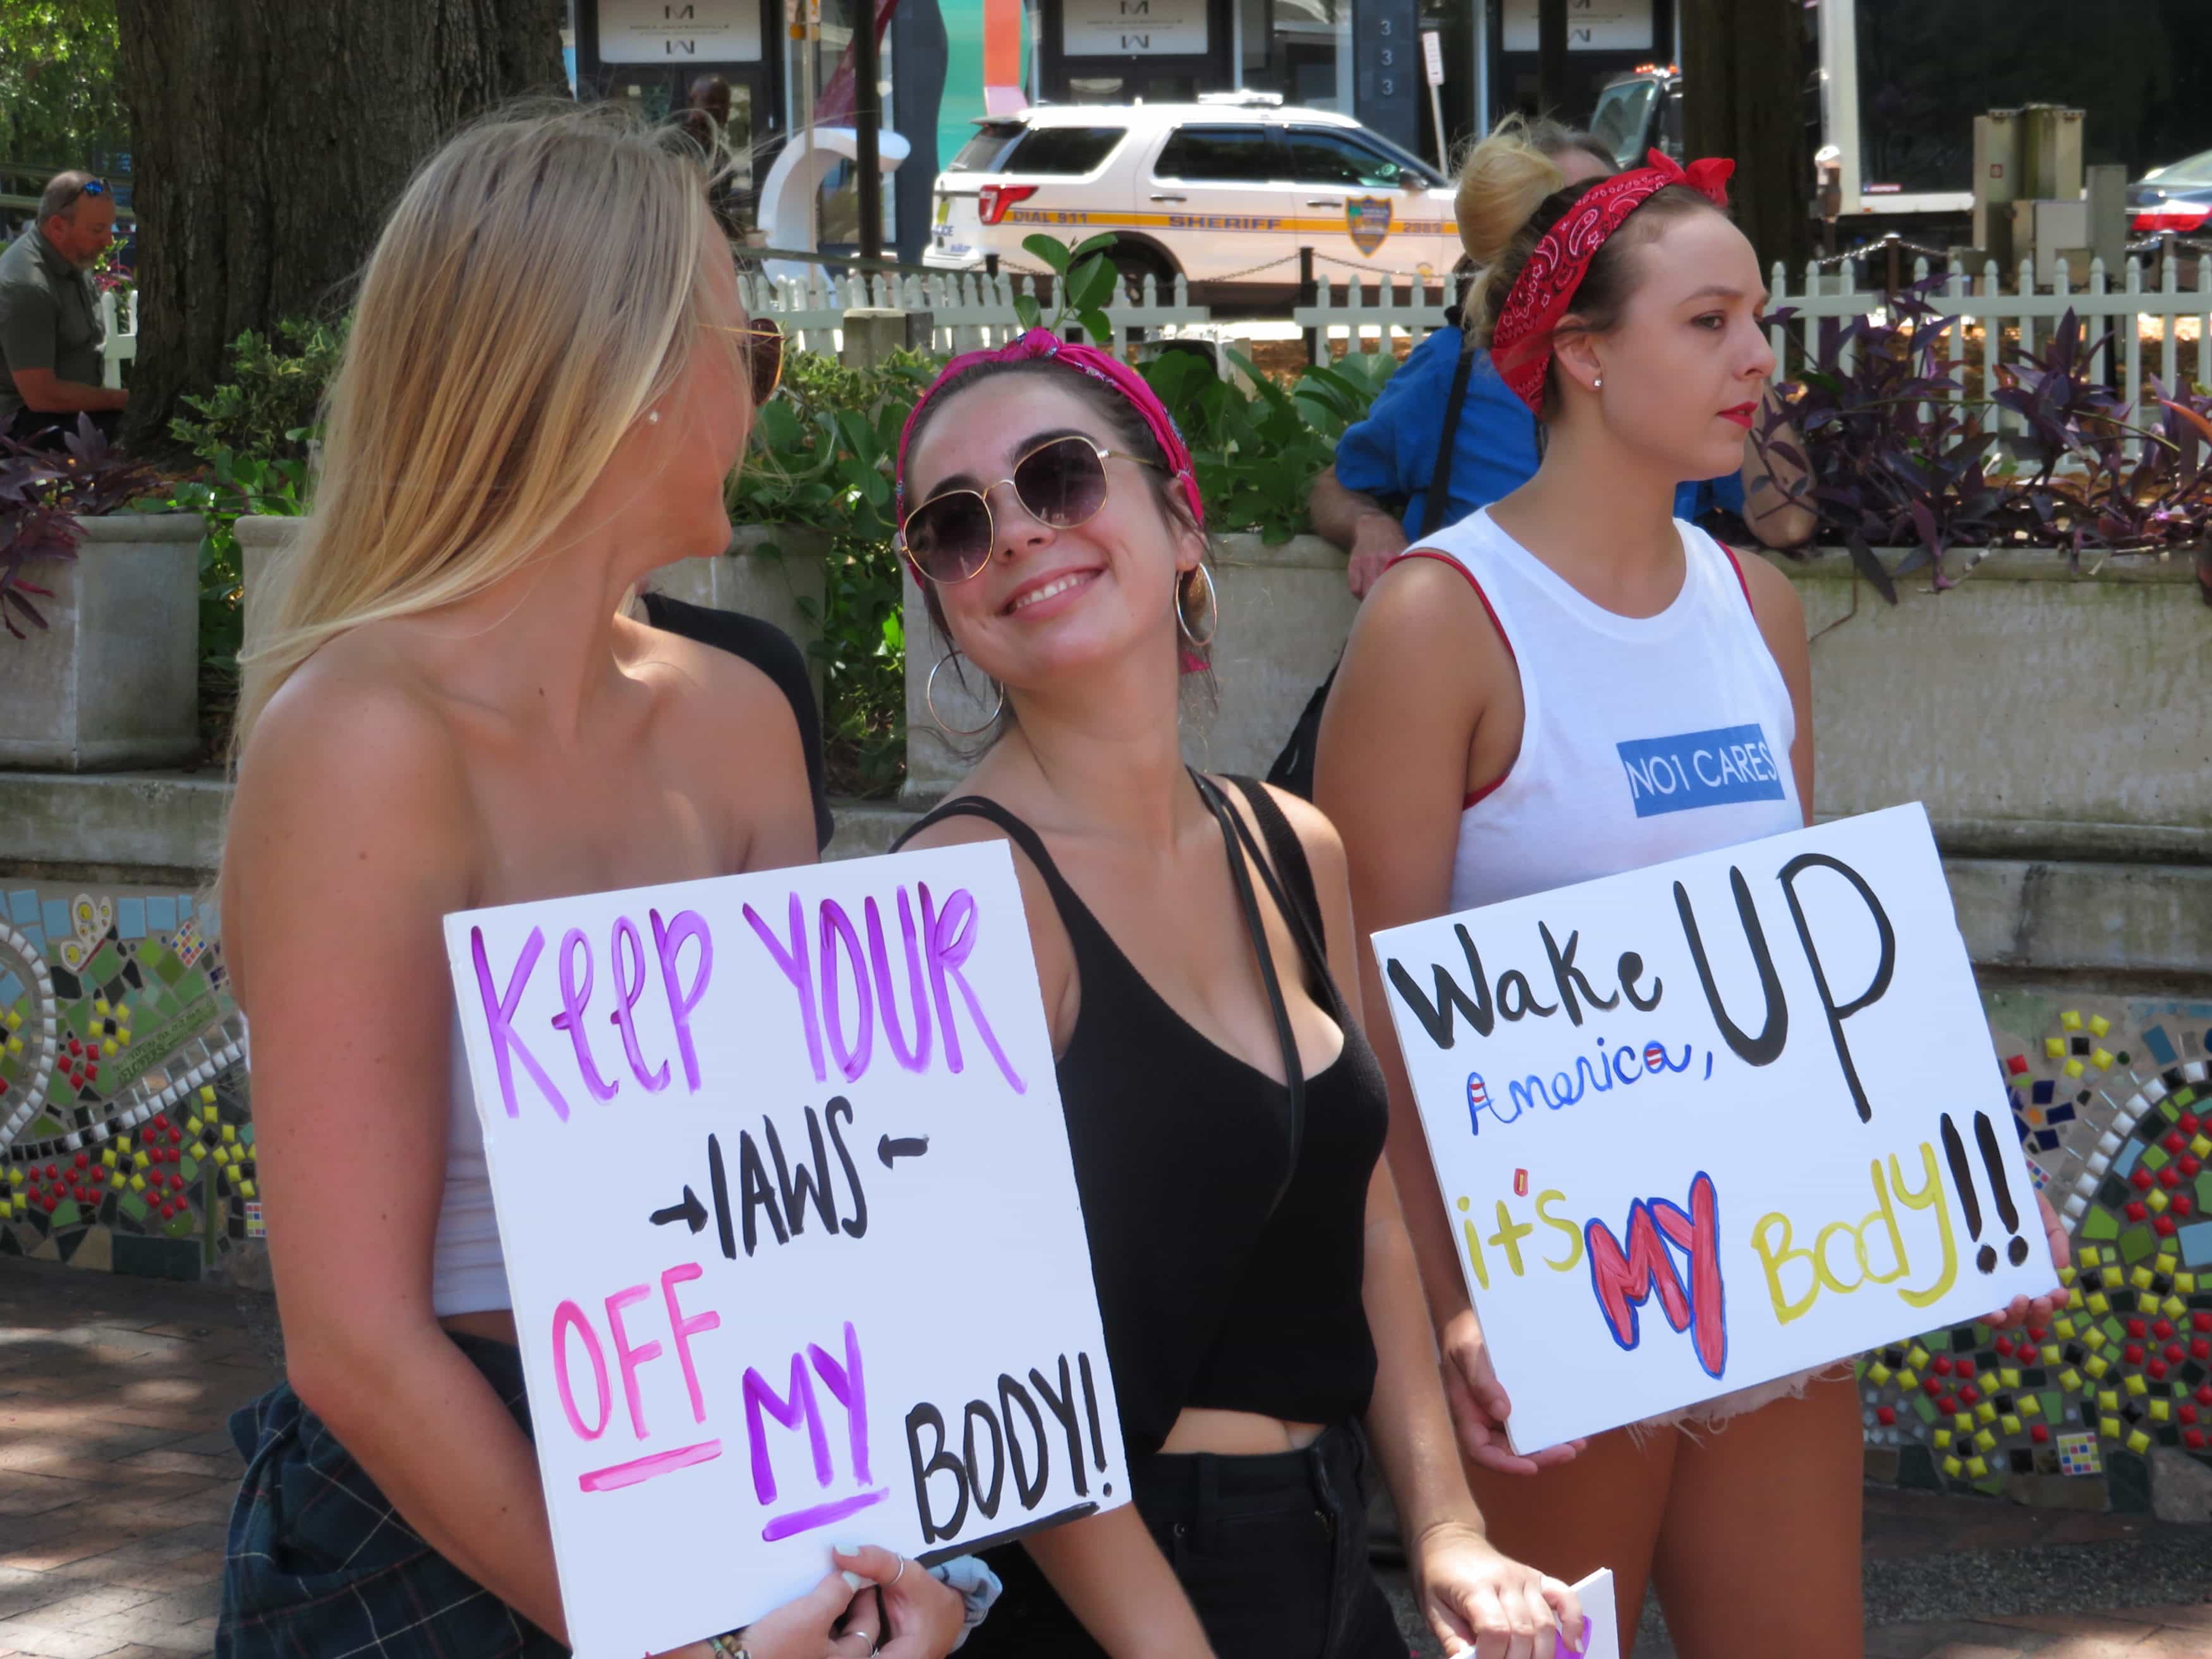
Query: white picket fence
[[2034, 309], [121, 345], [967, 312], [1413, 311]]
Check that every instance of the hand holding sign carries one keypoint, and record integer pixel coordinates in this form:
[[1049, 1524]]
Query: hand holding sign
[[1480, 1406], [803, 1107], [1704, 1125]]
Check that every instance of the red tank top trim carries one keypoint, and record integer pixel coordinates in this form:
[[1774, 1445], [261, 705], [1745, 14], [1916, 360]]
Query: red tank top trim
[[1477, 796], [1736, 565]]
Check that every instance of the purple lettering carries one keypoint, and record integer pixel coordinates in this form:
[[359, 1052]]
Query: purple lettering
[[836, 926], [499, 1014], [571, 1017], [668, 942], [760, 1397], [793, 963], [951, 938], [630, 986], [850, 1390], [917, 1058]]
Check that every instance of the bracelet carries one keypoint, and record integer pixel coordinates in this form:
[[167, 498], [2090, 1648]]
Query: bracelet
[[727, 1646]]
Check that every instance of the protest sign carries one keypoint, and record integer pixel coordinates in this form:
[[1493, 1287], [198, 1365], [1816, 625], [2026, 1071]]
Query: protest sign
[[790, 1227], [1713, 1122]]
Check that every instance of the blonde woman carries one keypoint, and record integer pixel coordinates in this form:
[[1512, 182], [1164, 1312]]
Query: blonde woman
[[548, 379], [1470, 754]]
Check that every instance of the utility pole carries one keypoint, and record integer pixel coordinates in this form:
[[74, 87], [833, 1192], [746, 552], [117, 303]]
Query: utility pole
[[1552, 57], [867, 122]]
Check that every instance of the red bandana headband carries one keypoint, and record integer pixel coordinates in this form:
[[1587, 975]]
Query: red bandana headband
[[1544, 292]]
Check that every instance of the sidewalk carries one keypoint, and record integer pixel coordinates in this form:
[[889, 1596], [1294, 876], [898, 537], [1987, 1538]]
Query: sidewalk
[[116, 1475]]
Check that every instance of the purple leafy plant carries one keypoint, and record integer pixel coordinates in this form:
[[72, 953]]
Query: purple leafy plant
[[1904, 453], [42, 495]]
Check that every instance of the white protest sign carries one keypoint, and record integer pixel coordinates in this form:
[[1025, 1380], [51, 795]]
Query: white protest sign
[[791, 1230], [1595, 1593], [1709, 1123]]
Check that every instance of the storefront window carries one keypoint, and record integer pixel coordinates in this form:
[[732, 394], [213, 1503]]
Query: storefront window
[[1301, 49]]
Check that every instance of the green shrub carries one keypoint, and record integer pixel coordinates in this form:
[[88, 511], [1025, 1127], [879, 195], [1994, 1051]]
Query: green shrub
[[270, 404]]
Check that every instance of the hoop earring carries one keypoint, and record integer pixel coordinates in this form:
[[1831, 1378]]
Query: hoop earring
[[929, 702], [1212, 611]]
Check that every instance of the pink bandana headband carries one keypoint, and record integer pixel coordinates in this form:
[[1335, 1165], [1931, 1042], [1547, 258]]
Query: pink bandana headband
[[1101, 366], [1544, 292]]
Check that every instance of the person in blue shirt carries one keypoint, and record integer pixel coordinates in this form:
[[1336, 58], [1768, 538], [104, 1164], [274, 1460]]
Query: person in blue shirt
[[1373, 500]]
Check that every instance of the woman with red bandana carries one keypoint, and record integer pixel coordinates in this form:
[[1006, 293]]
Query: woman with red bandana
[[1470, 755], [1262, 1315]]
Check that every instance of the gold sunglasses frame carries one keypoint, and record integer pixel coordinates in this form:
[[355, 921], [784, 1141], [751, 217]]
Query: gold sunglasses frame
[[983, 496]]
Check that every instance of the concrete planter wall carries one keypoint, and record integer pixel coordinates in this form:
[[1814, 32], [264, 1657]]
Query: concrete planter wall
[[767, 573], [2032, 710], [112, 682]]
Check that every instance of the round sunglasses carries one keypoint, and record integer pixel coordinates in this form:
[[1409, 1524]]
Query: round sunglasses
[[1060, 483], [763, 348]]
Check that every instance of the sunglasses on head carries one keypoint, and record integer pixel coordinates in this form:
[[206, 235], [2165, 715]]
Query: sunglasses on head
[[763, 345], [1060, 483]]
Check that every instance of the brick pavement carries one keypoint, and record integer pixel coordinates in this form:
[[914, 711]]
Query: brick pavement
[[116, 1475]]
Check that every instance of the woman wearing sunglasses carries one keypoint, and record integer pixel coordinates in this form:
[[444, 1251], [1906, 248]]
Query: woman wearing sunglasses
[[1225, 1116], [450, 711]]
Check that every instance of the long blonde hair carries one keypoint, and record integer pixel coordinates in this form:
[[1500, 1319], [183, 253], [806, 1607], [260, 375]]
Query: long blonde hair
[[534, 290]]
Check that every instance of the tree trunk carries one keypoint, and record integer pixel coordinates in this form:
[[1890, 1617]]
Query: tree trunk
[[270, 138], [1743, 94]]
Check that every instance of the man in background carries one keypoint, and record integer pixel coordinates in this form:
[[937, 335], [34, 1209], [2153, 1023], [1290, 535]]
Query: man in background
[[50, 329]]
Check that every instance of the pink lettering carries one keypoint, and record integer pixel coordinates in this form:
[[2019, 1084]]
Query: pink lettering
[[685, 1327], [629, 1358], [567, 1317]]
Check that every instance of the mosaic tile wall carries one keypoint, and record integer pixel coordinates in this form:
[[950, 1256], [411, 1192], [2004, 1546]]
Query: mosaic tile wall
[[128, 1147], [2114, 1110], [123, 1106]]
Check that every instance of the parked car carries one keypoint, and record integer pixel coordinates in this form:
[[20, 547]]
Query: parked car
[[2175, 199], [1223, 192]]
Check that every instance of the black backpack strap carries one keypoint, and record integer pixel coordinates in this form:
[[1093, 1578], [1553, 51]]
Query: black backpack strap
[[1288, 858], [1432, 507], [1237, 842]]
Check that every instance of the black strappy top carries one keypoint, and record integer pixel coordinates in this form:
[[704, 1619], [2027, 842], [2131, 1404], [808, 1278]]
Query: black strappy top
[[1221, 1283]]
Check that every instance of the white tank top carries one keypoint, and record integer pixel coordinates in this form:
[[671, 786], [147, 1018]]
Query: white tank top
[[1643, 739], [468, 1270]]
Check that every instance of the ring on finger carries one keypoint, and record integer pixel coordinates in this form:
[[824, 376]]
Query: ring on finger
[[901, 1573]]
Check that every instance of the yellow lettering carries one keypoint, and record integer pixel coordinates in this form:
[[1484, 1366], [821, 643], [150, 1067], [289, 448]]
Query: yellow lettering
[[1885, 1213], [1929, 1197], [1574, 1233], [1820, 1267], [1772, 1255], [1509, 1236], [1475, 1248]]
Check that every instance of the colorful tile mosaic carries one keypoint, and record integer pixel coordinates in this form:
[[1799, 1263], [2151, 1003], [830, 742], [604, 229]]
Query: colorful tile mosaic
[[125, 1138], [2113, 1105], [126, 1142]]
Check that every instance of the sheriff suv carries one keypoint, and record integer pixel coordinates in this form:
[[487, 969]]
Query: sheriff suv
[[1223, 192]]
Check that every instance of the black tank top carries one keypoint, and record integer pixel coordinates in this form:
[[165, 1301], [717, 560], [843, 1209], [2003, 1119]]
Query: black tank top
[[1228, 1275]]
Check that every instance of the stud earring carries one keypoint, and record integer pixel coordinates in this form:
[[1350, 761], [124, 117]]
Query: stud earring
[[1597, 384], [653, 417]]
